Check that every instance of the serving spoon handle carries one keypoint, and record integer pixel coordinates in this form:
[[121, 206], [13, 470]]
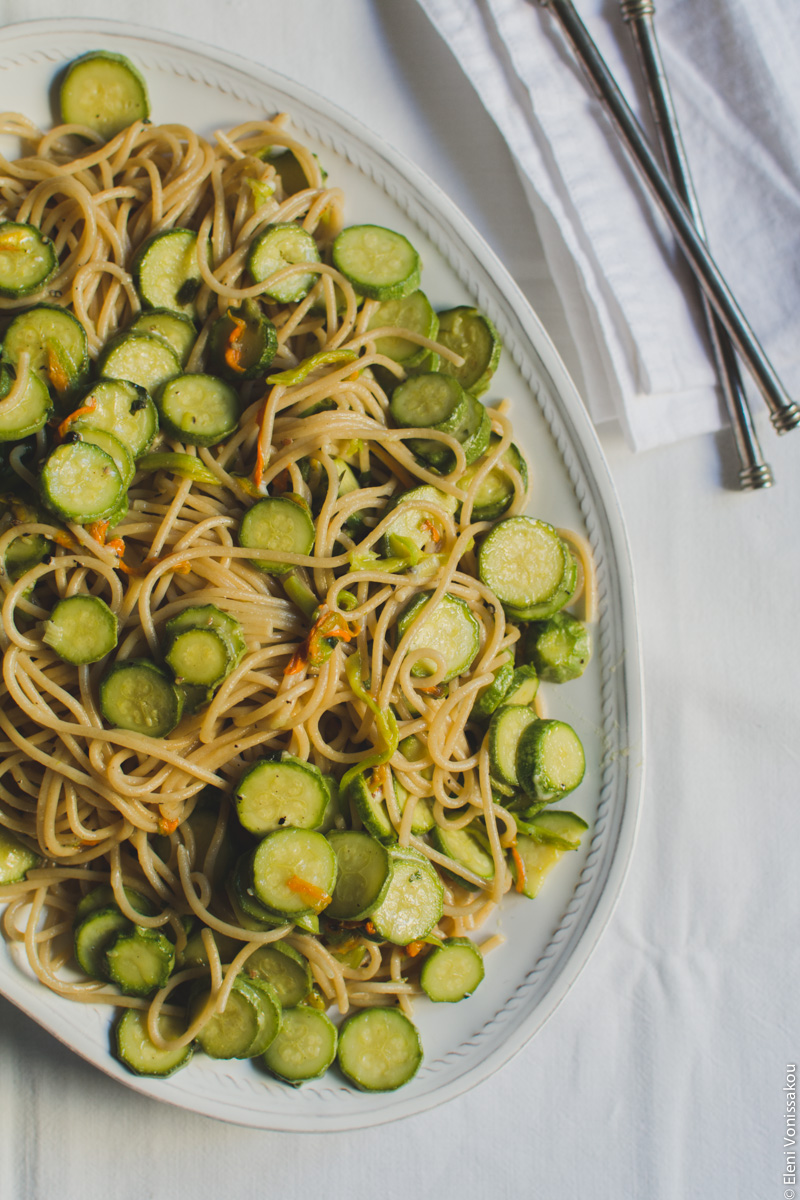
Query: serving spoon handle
[[784, 412]]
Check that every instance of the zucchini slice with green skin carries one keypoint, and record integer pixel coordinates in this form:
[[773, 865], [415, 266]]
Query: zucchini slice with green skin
[[423, 820], [114, 448], [491, 697], [495, 493], [471, 334], [538, 859], [271, 1012], [452, 971], [559, 648], [81, 483], [371, 810], [102, 896], [16, 859], [200, 410], [31, 411], [27, 259], [123, 409], [450, 629], [270, 795], [250, 908], [466, 849], [429, 401], [81, 629], [379, 263], [285, 968], [104, 92], [550, 760], [208, 616], [139, 696], [57, 344], [379, 1049], [242, 343], [240, 1029], [143, 358], [177, 329], [166, 273], [280, 246], [363, 875], [305, 1046], [139, 960], [505, 730], [199, 657], [527, 566], [94, 934], [294, 872], [557, 828], [414, 901], [277, 523], [523, 687], [419, 524], [139, 1054], [413, 312]]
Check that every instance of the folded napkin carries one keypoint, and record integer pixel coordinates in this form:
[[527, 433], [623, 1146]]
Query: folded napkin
[[630, 299]]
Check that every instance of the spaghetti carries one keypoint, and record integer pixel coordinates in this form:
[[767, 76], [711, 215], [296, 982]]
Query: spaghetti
[[106, 806]]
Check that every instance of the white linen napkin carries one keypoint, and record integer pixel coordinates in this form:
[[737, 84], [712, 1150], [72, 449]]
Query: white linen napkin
[[630, 299]]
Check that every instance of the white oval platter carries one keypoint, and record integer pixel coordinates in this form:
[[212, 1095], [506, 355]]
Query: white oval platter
[[549, 939]]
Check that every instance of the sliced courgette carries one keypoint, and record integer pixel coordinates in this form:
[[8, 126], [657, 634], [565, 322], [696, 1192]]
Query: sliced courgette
[[27, 259], [139, 696], [450, 629], [278, 247], [379, 1049], [505, 730], [496, 491], [104, 92], [294, 872], [378, 262], [285, 968], [363, 876], [166, 273], [139, 960], [559, 648], [277, 523], [141, 1055], [472, 335], [413, 312], [242, 343], [143, 358], [29, 413], [122, 409], [305, 1046], [550, 760], [81, 629], [528, 567], [175, 328], [413, 903], [80, 482], [452, 971], [16, 859], [57, 345], [272, 794]]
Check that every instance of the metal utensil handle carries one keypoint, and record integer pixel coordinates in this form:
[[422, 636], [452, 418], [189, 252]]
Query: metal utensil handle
[[754, 472], [784, 413]]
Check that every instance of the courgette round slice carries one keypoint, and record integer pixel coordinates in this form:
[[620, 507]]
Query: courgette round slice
[[104, 92], [176, 328], [466, 849], [122, 409], [280, 246], [538, 859], [491, 697], [57, 345], [378, 262], [364, 874], [495, 493], [416, 521], [238, 1030], [450, 629], [31, 411], [305, 1046], [452, 971], [92, 936], [166, 273], [285, 968], [139, 696], [27, 259], [413, 312], [242, 343], [472, 335], [139, 960], [277, 523], [505, 730], [142, 358], [16, 859], [80, 482], [114, 448], [81, 629], [200, 410], [198, 657], [527, 566], [208, 616], [413, 903], [294, 871], [550, 760], [272, 794], [139, 1054], [379, 1049]]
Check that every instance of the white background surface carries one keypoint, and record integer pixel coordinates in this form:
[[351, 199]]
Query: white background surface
[[662, 1073]]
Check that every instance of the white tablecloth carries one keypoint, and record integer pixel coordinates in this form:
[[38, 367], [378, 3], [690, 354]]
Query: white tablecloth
[[662, 1074]]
